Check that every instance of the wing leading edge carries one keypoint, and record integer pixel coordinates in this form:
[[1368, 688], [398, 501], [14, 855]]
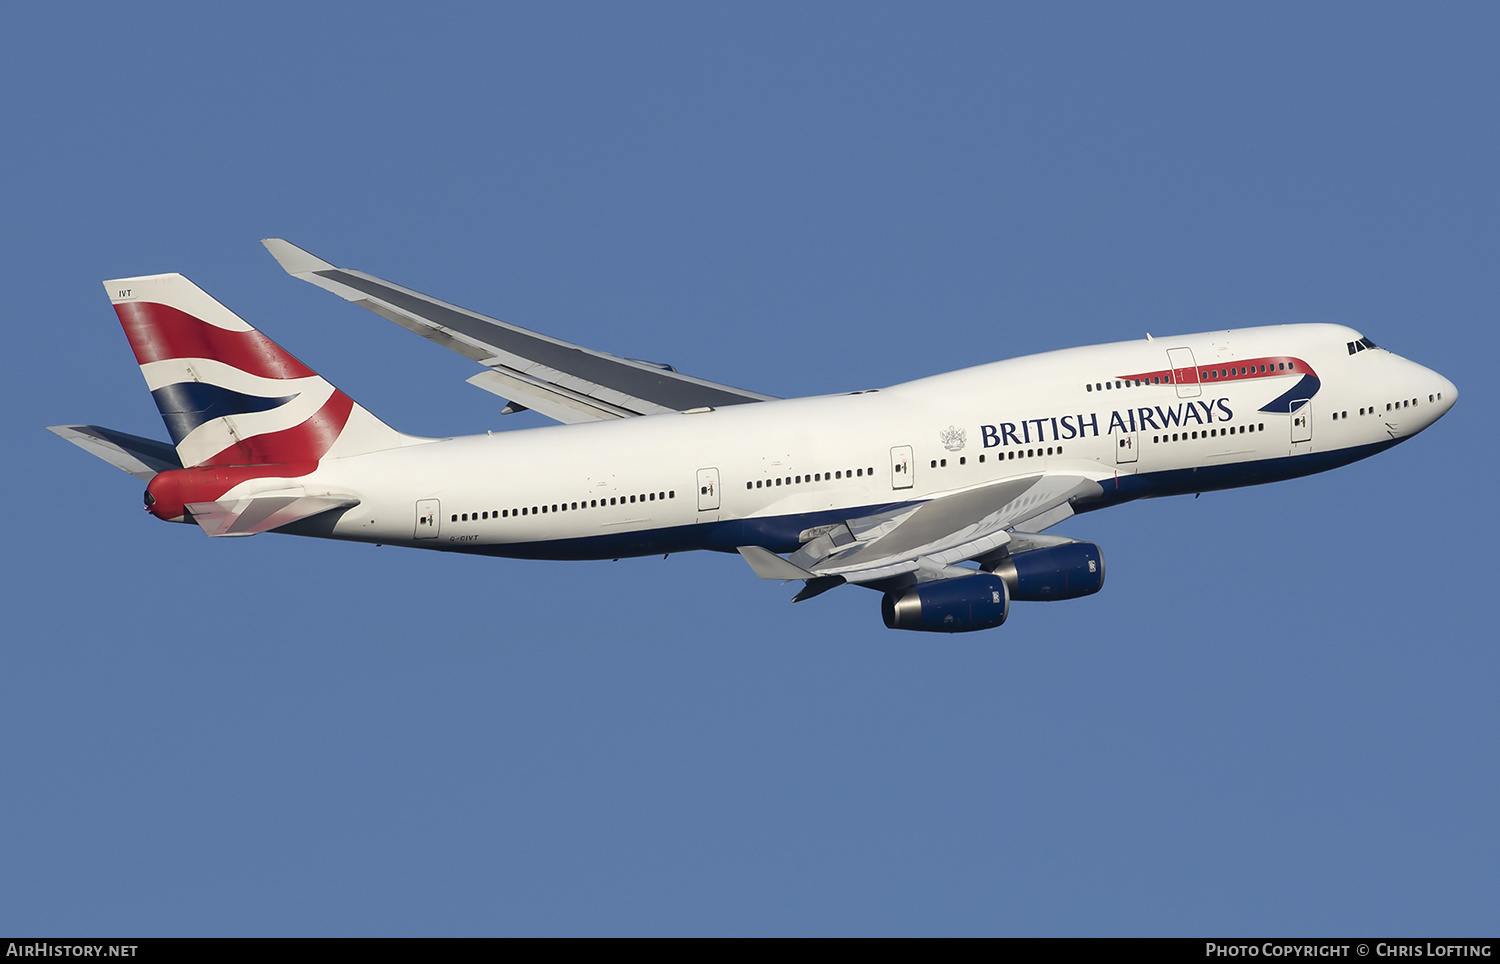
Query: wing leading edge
[[563, 381]]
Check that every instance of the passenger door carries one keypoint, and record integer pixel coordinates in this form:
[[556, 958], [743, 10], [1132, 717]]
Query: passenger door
[[1301, 420], [1184, 372], [708, 489], [429, 519], [901, 467]]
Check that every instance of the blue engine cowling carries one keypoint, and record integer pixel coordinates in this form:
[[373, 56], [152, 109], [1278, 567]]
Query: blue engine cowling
[[949, 605], [1056, 572]]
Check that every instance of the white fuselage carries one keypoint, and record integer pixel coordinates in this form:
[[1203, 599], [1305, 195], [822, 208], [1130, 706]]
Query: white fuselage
[[763, 473]]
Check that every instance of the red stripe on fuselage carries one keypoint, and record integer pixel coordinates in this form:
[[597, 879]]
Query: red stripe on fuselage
[[1240, 370], [159, 332], [1163, 376]]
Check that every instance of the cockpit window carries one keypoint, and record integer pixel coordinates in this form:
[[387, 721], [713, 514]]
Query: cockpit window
[[1360, 345]]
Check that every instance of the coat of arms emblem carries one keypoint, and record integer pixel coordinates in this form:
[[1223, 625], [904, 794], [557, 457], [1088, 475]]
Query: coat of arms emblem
[[953, 438]]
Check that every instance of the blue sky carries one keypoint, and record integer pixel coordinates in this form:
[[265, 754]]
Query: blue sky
[[1278, 717]]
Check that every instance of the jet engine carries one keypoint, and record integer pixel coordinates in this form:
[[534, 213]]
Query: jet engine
[[959, 605], [1067, 571]]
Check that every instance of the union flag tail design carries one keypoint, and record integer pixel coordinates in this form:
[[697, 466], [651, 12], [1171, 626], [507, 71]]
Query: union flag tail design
[[229, 395]]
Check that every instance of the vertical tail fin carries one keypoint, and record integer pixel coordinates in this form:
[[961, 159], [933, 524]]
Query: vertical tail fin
[[228, 394]]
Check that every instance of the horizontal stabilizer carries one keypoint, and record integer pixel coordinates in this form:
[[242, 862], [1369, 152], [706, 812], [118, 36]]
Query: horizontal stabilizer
[[141, 457], [246, 517]]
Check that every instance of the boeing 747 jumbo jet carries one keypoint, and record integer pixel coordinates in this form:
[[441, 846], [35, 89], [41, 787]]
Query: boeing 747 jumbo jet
[[935, 492]]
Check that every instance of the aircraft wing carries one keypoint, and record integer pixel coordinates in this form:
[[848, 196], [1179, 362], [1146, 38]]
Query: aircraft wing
[[928, 540], [563, 381]]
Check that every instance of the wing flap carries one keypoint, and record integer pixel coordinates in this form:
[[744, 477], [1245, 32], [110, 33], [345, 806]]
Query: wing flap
[[554, 403], [768, 565]]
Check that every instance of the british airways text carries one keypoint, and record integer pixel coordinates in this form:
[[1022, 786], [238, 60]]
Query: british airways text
[[1059, 428]]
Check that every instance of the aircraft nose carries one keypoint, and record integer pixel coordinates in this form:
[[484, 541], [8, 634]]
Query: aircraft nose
[[1441, 394], [1449, 392]]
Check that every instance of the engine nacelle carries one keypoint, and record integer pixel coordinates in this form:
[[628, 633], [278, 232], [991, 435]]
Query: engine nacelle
[[949, 605], [1056, 572]]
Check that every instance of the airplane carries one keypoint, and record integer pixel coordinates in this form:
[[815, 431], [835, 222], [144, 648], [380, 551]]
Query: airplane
[[935, 492]]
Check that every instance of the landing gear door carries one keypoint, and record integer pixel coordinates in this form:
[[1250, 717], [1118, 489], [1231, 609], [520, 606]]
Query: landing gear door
[[1301, 420], [1184, 372], [901, 467], [708, 489], [429, 517]]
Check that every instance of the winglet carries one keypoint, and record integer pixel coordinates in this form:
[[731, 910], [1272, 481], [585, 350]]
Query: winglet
[[295, 260], [768, 565]]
